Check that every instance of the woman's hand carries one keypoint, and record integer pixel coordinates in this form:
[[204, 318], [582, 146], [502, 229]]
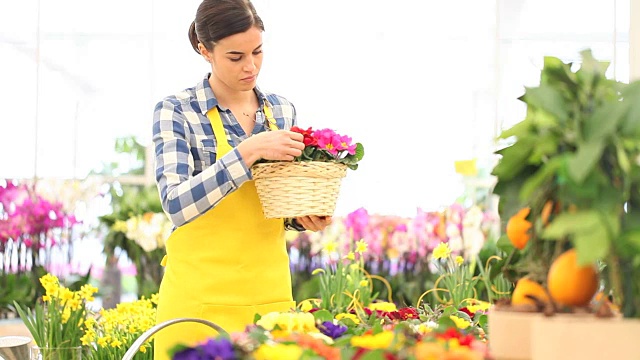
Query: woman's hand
[[314, 223], [281, 145]]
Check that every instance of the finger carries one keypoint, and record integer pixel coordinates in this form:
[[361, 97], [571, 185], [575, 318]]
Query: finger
[[296, 136], [297, 145]]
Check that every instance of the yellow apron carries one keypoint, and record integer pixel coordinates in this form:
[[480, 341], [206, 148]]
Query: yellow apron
[[225, 266]]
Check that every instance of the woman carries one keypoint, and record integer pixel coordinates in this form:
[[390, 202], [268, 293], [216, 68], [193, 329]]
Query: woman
[[225, 262]]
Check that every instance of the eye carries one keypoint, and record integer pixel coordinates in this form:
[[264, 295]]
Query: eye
[[236, 59], [258, 52]]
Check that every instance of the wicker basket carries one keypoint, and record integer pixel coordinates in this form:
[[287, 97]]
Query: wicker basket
[[292, 189]]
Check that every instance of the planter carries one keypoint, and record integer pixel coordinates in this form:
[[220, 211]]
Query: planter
[[584, 336], [61, 353], [293, 189], [510, 334]]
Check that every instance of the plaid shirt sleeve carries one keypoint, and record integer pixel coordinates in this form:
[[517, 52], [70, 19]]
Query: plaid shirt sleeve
[[186, 196]]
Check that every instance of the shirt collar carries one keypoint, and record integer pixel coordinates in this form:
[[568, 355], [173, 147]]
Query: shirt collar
[[207, 100]]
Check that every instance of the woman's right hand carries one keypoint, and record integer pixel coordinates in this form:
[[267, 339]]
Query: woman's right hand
[[283, 145]]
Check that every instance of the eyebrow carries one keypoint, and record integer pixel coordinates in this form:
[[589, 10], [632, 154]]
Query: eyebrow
[[233, 52]]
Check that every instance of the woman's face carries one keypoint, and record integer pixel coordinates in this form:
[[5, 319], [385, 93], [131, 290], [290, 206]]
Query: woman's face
[[236, 60]]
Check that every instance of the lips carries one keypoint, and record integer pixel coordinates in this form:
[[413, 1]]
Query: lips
[[249, 78]]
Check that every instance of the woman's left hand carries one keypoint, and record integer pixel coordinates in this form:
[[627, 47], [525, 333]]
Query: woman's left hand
[[314, 223]]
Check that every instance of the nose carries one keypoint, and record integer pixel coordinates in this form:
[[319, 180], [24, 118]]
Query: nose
[[250, 64]]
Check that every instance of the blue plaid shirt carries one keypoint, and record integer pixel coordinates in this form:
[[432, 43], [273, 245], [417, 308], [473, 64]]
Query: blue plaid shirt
[[189, 178]]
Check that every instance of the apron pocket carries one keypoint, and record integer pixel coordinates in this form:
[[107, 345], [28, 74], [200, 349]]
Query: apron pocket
[[234, 318]]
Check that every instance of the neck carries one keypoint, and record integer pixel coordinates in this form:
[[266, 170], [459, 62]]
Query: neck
[[228, 97]]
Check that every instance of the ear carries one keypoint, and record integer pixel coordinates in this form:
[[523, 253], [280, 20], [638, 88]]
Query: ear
[[204, 52]]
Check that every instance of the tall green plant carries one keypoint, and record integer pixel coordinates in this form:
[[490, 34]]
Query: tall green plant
[[577, 152]]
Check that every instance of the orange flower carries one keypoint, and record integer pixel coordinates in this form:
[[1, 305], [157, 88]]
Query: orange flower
[[518, 229]]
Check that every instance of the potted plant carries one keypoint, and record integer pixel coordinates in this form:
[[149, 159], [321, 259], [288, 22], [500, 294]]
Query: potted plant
[[308, 185], [568, 187]]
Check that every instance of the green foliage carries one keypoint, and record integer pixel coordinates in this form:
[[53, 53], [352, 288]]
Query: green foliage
[[578, 149]]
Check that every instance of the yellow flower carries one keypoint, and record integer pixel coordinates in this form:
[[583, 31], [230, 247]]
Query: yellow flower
[[306, 305], [381, 340], [351, 317], [350, 256], [364, 283], [120, 226], [460, 322], [424, 329], [330, 247], [361, 246], [278, 351], [482, 305], [288, 321], [459, 260], [441, 251], [103, 341], [383, 306], [116, 343]]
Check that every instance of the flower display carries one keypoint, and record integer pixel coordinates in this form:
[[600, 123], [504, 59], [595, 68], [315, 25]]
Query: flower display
[[399, 249], [376, 336]]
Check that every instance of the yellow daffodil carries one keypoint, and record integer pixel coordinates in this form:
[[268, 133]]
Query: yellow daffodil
[[330, 247], [441, 251], [361, 246], [459, 260], [350, 256]]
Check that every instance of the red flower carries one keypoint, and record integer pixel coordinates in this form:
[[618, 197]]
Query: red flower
[[308, 140], [466, 311], [408, 313]]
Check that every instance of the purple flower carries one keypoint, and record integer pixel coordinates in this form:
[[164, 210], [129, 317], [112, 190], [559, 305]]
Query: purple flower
[[213, 349], [332, 330]]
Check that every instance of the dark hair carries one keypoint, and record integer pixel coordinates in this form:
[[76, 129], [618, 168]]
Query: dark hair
[[217, 19]]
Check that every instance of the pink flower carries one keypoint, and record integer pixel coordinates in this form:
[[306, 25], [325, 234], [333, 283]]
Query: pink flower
[[328, 140]]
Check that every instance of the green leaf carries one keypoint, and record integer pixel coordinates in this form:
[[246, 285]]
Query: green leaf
[[546, 173], [514, 159], [554, 70], [504, 243], [591, 245], [591, 65], [519, 130], [323, 315], [549, 99], [359, 151], [546, 147], [584, 160], [631, 122], [623, 158], [570, 223], [604, 121], [632, 238]]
